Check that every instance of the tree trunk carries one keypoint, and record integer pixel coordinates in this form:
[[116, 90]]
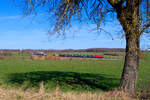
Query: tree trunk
[[130, 70], [130, 21]]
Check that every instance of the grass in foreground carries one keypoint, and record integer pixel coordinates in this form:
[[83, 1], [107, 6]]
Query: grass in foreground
[[76, 75], [30, 94]]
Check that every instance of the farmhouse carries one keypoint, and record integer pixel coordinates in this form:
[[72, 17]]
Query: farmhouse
[[39, 54]]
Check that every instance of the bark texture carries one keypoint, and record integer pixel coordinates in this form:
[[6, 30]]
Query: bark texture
[[130, 71]]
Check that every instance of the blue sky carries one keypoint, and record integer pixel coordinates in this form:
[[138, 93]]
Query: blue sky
[[17, 32]]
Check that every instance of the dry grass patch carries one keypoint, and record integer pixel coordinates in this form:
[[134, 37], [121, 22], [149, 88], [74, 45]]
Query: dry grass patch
[[18, 94]]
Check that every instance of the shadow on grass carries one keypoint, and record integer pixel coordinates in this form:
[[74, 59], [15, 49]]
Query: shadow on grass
[[65, 80]]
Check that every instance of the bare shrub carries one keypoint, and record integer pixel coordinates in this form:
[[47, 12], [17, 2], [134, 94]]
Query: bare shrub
[[35, 57], [5, 54], [1, 58], [51, 57]]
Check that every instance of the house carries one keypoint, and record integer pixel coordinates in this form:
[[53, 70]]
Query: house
[[39, 54]]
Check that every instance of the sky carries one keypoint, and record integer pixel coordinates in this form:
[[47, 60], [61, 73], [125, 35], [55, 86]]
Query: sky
[[18, 32]]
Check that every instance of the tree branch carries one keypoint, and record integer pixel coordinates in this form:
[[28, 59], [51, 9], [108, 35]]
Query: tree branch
[[116, 3], [145, 27]]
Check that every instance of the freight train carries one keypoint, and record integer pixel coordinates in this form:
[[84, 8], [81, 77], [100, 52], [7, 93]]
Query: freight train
[[69, 55], [81, 56]]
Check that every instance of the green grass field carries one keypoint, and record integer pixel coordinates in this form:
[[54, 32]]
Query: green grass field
[[76, 75]]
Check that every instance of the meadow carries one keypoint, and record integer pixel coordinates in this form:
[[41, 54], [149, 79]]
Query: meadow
[[69, 75]]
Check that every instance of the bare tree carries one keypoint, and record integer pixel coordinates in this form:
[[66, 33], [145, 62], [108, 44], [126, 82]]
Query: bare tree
[[133, 15]]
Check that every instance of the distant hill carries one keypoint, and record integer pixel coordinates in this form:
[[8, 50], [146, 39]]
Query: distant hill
[[65, 50]]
